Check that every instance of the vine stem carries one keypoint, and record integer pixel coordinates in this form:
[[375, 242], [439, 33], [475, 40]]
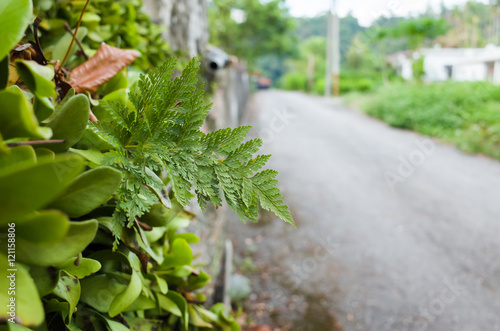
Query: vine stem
[[74, 36]]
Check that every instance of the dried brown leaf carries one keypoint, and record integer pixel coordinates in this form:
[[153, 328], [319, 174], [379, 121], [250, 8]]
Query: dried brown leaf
[[101, 67]]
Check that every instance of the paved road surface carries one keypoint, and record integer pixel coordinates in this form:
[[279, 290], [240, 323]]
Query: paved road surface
[[379, 246]]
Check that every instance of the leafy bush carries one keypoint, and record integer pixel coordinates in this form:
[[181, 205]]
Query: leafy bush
[[294, 82], [120, 24], [93, 211], [467, 114]]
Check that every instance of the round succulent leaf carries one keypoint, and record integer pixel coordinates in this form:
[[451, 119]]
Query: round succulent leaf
[[38, 78], [102, 111], [162, 284], [25, 188], [15, 16], [99, 291], [71, 93], [181, 302], [43, 108], [92, 141], [71, 120], [143, 324], [94, 156], [142, 303], [17, 118], [80, 268], [168, 305], [196, 282], [45, 278], [44, 152], [16, 155], [79, 236], [47, 226], [14, 327], [196, 319], [28, 306], [180, 255], [88, 191], [68, 288], [118, 82], [115, 326], [190, 238], [127, 297]]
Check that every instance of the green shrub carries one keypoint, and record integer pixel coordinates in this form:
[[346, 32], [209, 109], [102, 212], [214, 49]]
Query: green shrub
[[120, 24], [467, 114], [319, 86], [294, 82]]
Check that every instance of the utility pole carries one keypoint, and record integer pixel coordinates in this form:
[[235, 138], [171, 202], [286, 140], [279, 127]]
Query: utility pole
[[332, 80]]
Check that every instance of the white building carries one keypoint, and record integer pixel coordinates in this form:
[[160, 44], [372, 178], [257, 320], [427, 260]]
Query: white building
[[457, 64]]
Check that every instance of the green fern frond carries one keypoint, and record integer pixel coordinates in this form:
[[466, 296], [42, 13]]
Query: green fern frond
[[159, 132]]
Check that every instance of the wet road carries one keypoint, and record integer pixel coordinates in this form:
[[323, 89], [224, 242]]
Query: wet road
[[395, 231]]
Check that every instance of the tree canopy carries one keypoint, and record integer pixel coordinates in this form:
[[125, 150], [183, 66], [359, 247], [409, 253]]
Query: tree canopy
[[250, 29]]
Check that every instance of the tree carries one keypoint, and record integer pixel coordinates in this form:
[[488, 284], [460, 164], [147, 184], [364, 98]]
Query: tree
[[250, 29], [417, 31]]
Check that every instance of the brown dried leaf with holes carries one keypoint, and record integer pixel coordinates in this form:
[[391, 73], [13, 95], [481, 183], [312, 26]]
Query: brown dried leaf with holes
[[101, 67]]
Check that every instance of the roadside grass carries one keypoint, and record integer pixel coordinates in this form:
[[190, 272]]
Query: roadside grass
[[465, 114]]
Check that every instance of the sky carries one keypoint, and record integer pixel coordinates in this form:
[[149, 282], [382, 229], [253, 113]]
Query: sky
[[367, 10]]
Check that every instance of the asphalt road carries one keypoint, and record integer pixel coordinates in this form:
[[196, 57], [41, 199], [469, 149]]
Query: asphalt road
[[395, 231]]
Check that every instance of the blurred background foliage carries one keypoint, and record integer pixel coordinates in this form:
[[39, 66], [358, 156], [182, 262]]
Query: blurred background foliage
[[117, 23]]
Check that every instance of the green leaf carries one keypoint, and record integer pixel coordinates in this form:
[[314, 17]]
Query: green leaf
[[115, 326], [88, 191], [196, 282], [158, 215], [99, 291], [71, 120], [25, 188], [17, 155], [118, 82], [180, 255], [162, 284], [43, 108], [190, 238], [79, 236], [181, 302], [80, 268], [13, 327], [92, 155], [17, 118], [15, 15], [143, 324], [91, 140], [43, 227], [68, 289], [142, 303], [169, 305], [127, 297], [196, 320], [4, 72], [37, 78], [45, 279], [44, 152], [116, 97], [28, 306]]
